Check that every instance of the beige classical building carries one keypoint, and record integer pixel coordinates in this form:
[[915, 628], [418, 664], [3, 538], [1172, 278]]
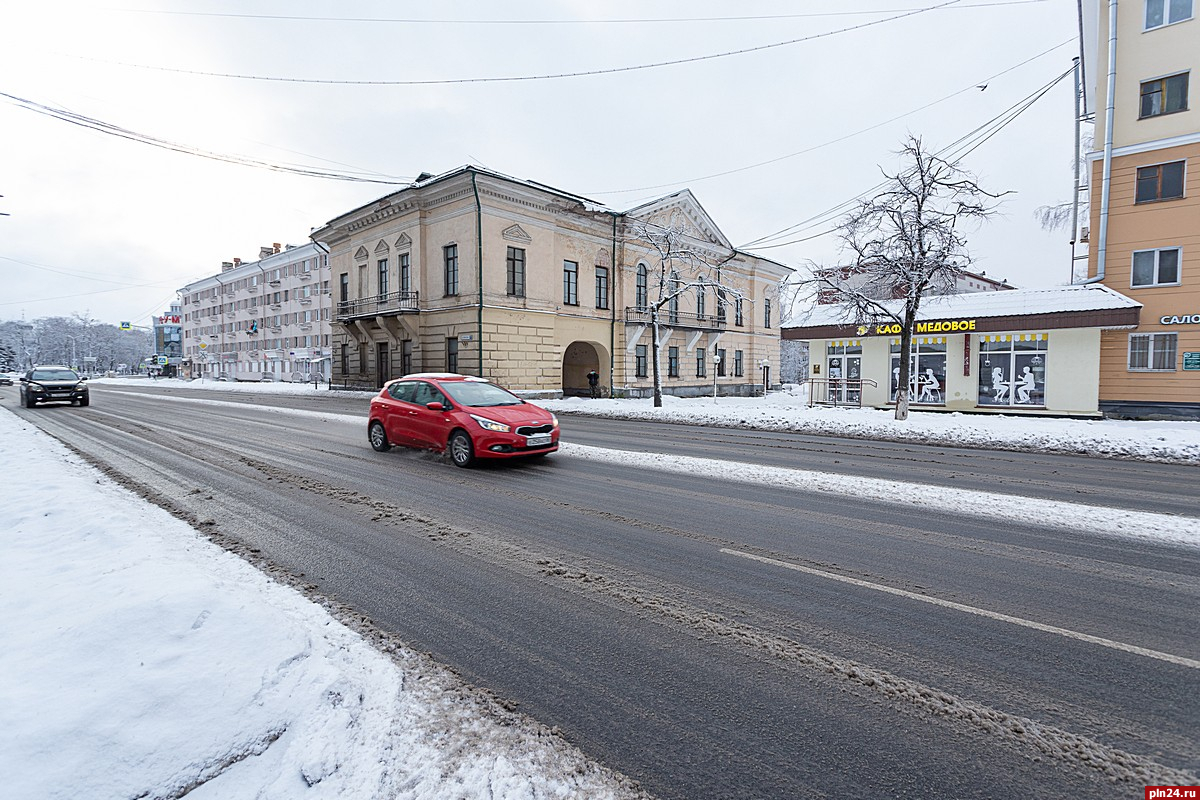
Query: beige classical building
[[260, 320], [479, 273], [1145, 202]]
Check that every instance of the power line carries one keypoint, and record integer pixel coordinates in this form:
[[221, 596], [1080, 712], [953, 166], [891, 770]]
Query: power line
[[125, 133], [973, 85], [953, 153], [519, 78], [617, 21]]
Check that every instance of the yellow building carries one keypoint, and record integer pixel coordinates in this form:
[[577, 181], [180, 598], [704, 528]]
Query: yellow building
[[1145, 203], [476, 272]]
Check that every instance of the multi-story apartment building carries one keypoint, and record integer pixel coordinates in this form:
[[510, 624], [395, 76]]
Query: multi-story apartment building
[[476, 272], [263, 320], [1145, 202], [168, 341]]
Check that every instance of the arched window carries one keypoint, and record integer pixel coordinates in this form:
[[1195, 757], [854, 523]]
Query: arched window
[[641, 300]]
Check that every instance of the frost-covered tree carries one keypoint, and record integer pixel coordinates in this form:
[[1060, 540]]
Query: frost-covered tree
[[901, 244], [681, 265]]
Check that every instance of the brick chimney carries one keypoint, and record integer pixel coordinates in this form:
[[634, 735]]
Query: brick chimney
[[226, 266], [237, 262], [277, 246], [263, 252]]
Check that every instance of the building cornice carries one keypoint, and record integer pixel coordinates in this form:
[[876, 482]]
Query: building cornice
[[1149, 147]]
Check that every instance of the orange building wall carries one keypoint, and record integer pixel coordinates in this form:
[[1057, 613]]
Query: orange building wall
[[1166, 223]]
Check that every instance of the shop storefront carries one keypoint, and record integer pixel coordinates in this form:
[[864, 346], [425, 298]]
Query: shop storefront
[[1034, 351]]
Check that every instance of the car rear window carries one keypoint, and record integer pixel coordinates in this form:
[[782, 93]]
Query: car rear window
[[54, 375], [477, 394]]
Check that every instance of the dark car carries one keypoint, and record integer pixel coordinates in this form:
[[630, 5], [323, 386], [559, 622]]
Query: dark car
[[468, 416], [53, 384], [5, 380]]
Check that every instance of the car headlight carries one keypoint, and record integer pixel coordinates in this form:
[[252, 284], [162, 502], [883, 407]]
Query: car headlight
[[37, 386], [490, 424], [554, 420]]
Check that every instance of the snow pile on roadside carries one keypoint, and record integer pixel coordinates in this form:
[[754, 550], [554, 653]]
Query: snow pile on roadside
[[1173, 442], [138, 659]]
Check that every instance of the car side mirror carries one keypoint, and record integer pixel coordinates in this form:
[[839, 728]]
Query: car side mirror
[[83, 377], [24, 379], [435, 406]]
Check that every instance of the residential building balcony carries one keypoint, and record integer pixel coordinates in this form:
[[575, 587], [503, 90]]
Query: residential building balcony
[[391, 303], [678, 319]]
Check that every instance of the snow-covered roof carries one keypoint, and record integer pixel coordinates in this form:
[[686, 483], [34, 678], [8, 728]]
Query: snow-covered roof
[[1014, 303]]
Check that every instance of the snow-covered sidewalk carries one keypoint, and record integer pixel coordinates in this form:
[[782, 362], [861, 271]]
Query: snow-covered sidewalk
[[137, 659], [1173, 442]]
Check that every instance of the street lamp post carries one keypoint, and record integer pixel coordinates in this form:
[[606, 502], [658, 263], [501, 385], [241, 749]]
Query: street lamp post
[[716, 368]]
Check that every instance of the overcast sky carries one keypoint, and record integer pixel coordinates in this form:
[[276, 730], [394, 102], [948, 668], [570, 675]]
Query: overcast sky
[[111, 227]]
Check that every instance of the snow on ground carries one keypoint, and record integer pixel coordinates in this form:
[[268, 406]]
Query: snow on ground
[[137, 659], [140, 660], [1177, 442]]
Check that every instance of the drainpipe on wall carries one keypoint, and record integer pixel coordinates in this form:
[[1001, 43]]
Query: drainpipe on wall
[[1109, 113], [479, 263], [612, 328]]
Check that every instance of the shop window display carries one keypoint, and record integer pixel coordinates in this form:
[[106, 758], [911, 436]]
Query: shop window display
[[843, 368], [926, 371], [1012, 369]]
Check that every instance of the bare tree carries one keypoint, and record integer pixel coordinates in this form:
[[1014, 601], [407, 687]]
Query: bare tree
[[902, 244], [681, 266]]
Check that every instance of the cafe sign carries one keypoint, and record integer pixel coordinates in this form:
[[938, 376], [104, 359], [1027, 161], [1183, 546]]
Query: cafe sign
[[940, 326]]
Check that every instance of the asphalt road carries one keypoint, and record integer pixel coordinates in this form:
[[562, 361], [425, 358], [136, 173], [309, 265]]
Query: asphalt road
[[718, 639]]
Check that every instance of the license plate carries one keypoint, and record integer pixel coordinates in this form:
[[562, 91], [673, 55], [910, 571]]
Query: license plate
[[538, 440]]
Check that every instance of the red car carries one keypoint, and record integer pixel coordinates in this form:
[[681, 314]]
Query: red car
[[467, 415]]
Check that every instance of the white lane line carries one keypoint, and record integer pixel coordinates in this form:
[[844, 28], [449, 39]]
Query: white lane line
[[920, 498], [1025, 623]]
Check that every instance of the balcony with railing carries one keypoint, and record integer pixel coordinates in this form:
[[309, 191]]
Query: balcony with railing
[[391, 303], [676, 319]]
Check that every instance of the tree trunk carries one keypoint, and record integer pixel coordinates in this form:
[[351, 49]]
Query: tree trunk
[[905, 378], [654, 356]]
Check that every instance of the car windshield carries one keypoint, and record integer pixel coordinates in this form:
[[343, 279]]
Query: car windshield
[[54, 375], [477, 393]]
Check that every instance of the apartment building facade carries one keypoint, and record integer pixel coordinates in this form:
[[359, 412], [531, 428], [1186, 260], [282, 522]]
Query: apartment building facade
[[1145, 203], [264, 320], [476, 272]]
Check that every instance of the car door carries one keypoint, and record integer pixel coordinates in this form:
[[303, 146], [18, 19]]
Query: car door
[[396, 412], [429, 428]]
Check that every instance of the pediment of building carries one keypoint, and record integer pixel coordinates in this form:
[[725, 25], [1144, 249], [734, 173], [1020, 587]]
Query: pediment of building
[[515, 233], [681, 210], [403, 241], [361, 254]]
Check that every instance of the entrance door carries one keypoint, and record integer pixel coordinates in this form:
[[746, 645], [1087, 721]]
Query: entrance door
[[382, 366]]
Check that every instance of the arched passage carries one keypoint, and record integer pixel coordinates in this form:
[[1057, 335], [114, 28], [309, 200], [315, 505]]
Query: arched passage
[[579, 359]]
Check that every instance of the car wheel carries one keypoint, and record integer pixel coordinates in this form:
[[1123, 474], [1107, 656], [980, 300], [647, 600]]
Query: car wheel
[[83, 401], [30, 402], [462, 451], [378, 437]]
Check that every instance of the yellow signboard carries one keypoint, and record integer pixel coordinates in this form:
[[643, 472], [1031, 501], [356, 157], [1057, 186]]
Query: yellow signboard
[[940, 326]]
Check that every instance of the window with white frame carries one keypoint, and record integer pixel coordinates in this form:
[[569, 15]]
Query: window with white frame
[[1160, 182], [1152, 352], [1167, 12], [1155, 267], [1013, 369], [1163, 96]]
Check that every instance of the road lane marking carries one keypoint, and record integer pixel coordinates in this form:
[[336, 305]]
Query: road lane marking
[[1025, 623]]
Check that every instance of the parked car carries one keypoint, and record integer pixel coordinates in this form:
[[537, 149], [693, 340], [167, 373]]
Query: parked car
[[468, 416], [53, 383], [5, 379]]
